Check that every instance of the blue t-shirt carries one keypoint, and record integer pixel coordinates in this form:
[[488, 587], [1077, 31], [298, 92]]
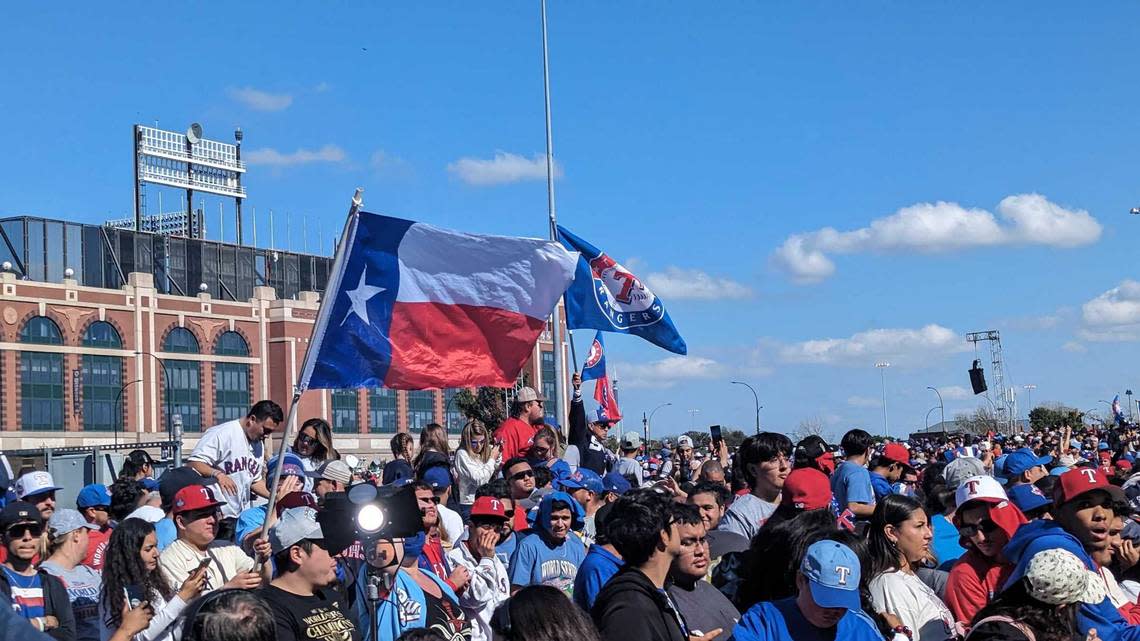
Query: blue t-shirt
[[27, 594], [851, 483], [782, 621], [599, 567], [505, 550], [945, 543], [165, 532], [535, 562], [880, 485]]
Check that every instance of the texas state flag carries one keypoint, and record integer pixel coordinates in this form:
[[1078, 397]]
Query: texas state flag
[[413, 306]]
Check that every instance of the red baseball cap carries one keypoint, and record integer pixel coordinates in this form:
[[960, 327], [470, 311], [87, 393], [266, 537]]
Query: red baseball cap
[[194, 497], [1124, 464], [806, 488], [897, 453], [1083, 480], [489, 506]]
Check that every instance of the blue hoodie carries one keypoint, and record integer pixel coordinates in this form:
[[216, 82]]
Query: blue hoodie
[[1035, 536], [538, 559]]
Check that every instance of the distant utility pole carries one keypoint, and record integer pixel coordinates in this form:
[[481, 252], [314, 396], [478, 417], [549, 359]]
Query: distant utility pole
[[883, 365]]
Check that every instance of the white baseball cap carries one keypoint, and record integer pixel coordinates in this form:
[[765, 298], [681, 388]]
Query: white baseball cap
[[1056, 576], [34, 483], [684, 442], [980, 488]]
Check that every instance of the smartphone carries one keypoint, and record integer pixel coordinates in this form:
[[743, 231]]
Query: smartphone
[[134, 594], [202, 566], [714, 430]]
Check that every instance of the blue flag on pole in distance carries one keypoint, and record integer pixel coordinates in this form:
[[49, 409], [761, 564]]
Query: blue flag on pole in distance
[[605, 296], [595, 365]]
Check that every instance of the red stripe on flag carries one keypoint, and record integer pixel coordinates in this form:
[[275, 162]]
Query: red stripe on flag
[[437, 345]]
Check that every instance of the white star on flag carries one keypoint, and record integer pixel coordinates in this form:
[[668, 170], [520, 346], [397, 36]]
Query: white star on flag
[[360, 297]]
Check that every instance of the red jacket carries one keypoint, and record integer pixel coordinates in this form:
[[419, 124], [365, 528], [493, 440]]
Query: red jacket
[[516, 437], [973, 582]]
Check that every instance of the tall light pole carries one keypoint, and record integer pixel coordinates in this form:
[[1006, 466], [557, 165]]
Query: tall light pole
[[928, 419], [648, 422], [883, 365], [1128, 393], [1028, 401], [692, 418], [940, 406], [754, 398]]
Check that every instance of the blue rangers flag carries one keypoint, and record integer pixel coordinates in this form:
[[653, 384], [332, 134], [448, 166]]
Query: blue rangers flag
[[595, 365], [605, 296]]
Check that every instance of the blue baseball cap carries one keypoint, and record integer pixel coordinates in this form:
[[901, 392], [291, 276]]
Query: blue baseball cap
[[1103, 446], [583, 479], [437, 477], [150, 484], [93, 495], [291, 466], [832, 570], [1028, 497], [1023, 459], [614, 482]]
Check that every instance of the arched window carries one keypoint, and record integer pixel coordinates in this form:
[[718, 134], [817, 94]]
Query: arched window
[[421, 409], [183, 389], [102, 379], [41, 377], [344, 411], [231, 380], [382, 410]]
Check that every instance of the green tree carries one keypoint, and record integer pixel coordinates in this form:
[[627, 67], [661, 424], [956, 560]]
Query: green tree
[[1045, 417], [701, 440], [487, 405]]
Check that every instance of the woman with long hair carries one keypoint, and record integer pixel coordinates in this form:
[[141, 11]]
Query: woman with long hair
[[475, 462], [433, 448], [131, 568], [898, 542], [542, 613], [544, 451]]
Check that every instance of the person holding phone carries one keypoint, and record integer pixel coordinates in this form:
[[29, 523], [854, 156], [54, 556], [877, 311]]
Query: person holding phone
[[132, 580], [196, 516], [32, 593]]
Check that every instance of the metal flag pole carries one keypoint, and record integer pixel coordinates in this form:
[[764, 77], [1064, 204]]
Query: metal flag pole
[[555, 316], [311, 353]]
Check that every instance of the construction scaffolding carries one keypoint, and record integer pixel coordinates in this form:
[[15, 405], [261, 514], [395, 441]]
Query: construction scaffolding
[[1005, 408]]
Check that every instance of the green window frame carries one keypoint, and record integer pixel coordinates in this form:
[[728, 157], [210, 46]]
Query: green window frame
[[41, 377], [421, 409], [382, 414], [102, 377], [345, 411], [183, 389], [232, 398]]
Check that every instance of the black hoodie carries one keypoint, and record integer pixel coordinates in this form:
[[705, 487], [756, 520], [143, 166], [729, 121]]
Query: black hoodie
[[631, 608]]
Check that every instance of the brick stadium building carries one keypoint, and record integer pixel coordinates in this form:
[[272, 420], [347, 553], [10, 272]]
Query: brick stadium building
[[106, 334]]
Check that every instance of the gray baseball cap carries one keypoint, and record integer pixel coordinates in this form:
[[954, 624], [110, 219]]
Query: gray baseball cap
[[66, 521], [295, 525], [527, 394], [630, 441], [961, 469], [333, 471]]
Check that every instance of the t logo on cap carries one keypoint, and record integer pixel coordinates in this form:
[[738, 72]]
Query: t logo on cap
[[972, 487], [843, 573], [1090, 474]]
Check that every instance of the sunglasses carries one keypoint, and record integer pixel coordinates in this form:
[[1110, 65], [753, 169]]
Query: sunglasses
[[20, 530], [985, 527], [518, 476], [305, 439]]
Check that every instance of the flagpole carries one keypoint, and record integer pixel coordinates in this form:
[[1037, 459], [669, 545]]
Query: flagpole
[[555, 316], [311, 353]]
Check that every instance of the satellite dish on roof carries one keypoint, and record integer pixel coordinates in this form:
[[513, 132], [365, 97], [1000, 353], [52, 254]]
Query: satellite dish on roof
[[194, 133]]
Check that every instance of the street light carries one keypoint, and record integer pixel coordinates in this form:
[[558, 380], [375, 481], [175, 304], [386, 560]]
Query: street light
[[165, 391], [883, 365], [928, 418], [1028, 400], [754, 398], [692, 417], [940, 406], [647, 423], [118, 396]]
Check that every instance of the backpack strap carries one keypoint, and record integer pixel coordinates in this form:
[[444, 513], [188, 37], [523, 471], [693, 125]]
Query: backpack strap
[[1001, 618]]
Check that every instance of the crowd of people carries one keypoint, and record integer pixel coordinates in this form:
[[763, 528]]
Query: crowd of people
[[526, 535]]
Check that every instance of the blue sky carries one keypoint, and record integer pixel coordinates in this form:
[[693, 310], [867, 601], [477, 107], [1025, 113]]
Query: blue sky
[[982, 156]]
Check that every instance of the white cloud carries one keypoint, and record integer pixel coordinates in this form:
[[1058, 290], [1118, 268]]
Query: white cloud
[[384, 162], [1026, 219], [503, 169], [1074, 347], [667, 371], [955, 392], [321, 87], [1114, 316], [864, 401], [259, 100], [694, 284], [898, 346], [271, 157]]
